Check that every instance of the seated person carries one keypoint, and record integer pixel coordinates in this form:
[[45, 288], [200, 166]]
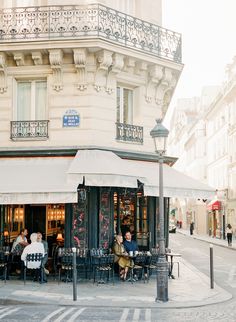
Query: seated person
[[17, 248], [121, 257], [129, 244], [33, 248], [20, 242]]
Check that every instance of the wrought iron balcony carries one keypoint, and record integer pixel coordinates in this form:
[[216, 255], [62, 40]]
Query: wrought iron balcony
[[86, 22], [129, 133], [37, 130]]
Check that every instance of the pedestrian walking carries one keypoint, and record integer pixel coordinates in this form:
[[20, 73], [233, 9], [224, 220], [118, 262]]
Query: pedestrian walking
[[229, 234], [191, 227]]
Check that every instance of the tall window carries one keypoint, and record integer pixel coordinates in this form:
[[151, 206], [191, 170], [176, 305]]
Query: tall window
[[124, 105], [31, 100]]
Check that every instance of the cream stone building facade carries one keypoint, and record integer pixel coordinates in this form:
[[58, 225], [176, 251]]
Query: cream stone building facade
[[81, 82]]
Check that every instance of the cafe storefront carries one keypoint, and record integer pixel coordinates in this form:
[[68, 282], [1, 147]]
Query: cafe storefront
[[92, 222]]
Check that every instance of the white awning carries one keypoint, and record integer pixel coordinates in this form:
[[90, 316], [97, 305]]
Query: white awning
[[175, 183], [104, 169], [36, 180]]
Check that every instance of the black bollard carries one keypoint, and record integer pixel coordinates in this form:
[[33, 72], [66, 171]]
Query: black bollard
[[74, 275], [211, 266]]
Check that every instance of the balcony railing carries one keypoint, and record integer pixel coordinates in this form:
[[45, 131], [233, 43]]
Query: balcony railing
[[86, 22], [129, 133], [37, 130]]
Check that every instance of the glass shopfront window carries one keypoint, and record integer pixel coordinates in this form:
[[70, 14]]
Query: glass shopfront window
[[13, 222], [130, 214], [55, 220]]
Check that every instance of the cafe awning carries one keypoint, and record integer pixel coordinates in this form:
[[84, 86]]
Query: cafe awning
[[104, 169], [175, 183], [214, 205], [42, 180], [36, 181]]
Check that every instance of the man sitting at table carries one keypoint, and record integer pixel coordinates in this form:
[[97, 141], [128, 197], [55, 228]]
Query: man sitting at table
[[33, 248], [129, 244]]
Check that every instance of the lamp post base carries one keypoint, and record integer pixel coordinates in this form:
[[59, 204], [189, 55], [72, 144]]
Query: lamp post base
[[162, 279]]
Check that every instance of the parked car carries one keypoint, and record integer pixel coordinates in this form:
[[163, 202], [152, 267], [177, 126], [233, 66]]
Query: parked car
[[172, 227]]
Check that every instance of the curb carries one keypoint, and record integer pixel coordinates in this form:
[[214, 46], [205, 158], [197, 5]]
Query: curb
[[198, 237]]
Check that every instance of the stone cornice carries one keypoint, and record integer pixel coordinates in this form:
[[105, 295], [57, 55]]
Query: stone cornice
[[108, 67]]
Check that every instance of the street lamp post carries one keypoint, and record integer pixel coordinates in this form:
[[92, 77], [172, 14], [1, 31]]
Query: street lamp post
[[159, 133]]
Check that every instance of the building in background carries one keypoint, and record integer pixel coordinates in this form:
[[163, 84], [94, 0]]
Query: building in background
[[207, 153]]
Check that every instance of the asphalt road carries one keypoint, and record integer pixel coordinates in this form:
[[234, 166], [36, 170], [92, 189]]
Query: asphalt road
[[194, 251]]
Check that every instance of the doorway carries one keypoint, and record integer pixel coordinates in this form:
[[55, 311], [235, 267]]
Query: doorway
[[35, 219]]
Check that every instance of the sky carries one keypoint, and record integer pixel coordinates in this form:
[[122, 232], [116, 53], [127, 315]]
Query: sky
[[208, 29]]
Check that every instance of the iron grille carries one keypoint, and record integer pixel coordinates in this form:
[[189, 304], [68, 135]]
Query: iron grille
[[129, 133], [84, 22], [29, 130]]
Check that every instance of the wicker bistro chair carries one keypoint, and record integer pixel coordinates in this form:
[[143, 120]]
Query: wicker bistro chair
[[65, 265], [82, 262], [35, 258], [151, 264], [138, 268], [102, 267], [3, 265]]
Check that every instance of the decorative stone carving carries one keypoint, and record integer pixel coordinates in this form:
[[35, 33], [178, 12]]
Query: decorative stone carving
[[129, 64], [141, 68], [80, 65], [164, 89], [155, 74], [117, 65], [55, 58], [37, 57], [19, 59], [104, 59], [3, 73]]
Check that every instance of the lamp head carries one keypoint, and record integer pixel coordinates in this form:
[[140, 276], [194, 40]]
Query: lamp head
[[159, 134]]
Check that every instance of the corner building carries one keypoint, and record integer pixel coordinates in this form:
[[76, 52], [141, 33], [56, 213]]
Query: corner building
[[81, 85]]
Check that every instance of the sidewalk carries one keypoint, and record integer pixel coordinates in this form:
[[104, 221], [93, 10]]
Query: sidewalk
[[191, 289], [209, 239]]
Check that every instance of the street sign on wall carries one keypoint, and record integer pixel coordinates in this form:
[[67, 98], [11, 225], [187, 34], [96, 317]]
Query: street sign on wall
[[71, 118]]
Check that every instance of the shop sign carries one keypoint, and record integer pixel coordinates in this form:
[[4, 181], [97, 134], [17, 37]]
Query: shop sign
[[71, 118]]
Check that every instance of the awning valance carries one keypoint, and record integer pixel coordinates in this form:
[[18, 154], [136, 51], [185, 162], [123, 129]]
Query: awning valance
[[214, 205]]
